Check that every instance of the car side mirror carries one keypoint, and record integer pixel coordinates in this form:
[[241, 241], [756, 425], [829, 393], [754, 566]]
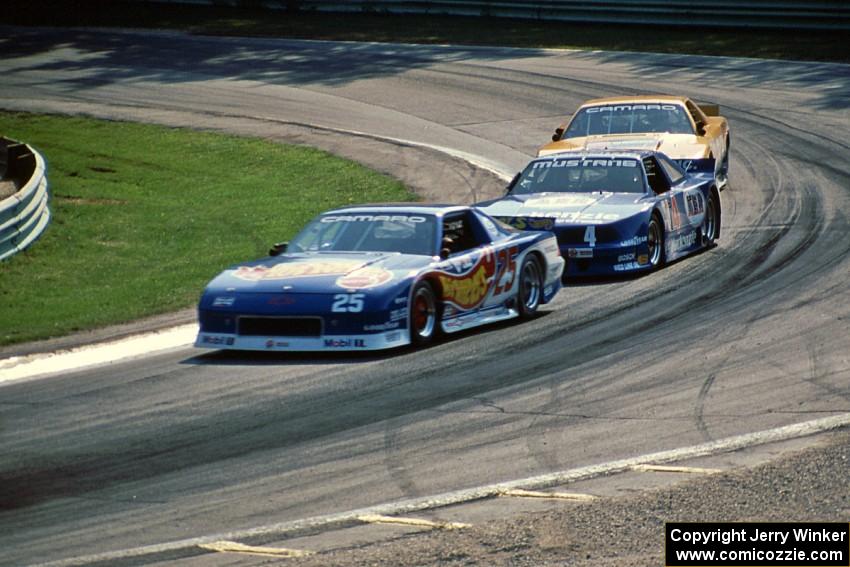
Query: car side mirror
[[701, 128], [557, 135], [278, 248]]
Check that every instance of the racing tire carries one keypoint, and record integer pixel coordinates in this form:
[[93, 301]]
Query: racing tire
[[530, 292], [711, 223], [655, 242], [423, 314]]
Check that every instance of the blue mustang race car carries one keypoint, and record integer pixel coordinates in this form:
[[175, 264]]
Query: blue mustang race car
[[613, 211], [373, 277]]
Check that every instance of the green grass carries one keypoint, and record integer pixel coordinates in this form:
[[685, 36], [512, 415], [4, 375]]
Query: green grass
[[144, 216], [813, 45]]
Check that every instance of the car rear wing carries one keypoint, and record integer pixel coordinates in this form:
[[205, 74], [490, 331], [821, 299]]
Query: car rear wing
[[528, 223], [710, 109], [697, 165]]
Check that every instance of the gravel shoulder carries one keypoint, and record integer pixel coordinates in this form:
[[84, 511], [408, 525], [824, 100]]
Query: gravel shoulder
[[803, 486]]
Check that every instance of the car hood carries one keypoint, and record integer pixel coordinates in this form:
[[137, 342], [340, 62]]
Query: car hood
[[318, 272], [676, 146], [568, 208]]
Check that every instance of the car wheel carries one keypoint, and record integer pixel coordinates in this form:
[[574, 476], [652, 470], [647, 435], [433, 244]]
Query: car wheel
[[711, 223], [423, 314], [530, 286], [655, 242]]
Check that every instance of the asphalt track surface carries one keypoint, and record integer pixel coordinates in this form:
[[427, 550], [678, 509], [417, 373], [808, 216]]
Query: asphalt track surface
[[750, 335]]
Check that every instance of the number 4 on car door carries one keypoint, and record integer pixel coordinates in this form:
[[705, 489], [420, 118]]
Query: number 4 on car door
[[590, 235]]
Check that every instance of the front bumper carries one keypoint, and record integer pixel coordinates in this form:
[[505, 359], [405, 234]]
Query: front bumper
[[605, 259], [306, 322], [372, 341]]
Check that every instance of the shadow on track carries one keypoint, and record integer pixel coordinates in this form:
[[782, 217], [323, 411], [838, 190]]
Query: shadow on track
[[277, 358], [102, 58], [738, 73]]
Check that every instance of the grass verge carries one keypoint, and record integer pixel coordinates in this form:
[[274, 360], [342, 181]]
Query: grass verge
[[807, 45], [145, 215]]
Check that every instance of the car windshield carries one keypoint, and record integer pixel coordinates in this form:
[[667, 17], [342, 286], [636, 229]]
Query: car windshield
[[629, 119], [580, 175], [368, 232]]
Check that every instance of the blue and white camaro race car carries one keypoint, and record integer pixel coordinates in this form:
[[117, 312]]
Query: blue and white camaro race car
[[614, 212], [374, 277]]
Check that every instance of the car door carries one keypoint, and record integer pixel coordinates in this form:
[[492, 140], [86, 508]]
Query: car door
[[476, 271], [682, 204], [689, 194], [506, 251]]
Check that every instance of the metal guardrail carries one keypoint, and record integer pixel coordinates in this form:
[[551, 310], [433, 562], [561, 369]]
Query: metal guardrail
[[783, 14], [24, 215]]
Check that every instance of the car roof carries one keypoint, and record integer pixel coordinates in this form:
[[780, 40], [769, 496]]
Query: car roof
[[636, 99], [401, 208]]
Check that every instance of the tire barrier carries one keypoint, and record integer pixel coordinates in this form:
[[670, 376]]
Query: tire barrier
[[779, 14], [24, 215]]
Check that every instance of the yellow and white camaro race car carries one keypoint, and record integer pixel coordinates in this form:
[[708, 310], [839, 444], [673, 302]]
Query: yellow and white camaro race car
[[695, 136]]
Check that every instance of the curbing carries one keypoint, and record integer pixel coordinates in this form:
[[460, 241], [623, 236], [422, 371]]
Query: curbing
[[25, 215]]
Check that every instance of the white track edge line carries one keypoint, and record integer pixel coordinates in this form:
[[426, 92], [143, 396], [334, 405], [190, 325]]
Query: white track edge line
[[728, 444], [15, 369]]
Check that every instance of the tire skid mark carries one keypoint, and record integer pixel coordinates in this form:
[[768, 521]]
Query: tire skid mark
[[700, 409], [817, 377], [762, 263], [394, 462], [537, 432]]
